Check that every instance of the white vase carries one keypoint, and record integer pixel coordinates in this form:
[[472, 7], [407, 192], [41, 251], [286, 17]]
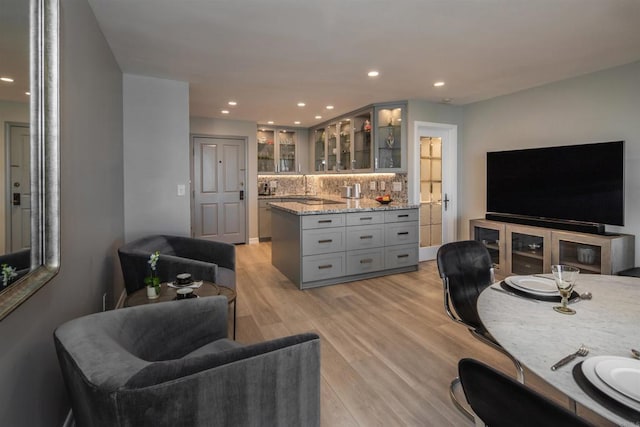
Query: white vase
[[151, 292]]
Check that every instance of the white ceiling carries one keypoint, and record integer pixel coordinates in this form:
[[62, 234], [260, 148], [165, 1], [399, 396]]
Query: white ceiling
[[270, 54]]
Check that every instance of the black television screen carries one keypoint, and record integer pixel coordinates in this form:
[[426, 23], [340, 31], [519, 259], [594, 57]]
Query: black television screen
[[575, 182]]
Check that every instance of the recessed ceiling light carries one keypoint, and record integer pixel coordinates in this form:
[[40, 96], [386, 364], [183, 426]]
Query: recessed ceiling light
[[329, 107], [318, 117], [28, 93], [6, 79], [373, 73], [438, 84], [233, 103], [297, 122], [446, 100], [301, 104], [225, 111], [270, 122]]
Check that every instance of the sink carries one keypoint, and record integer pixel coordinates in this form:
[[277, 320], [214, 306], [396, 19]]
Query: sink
[[319, 202]]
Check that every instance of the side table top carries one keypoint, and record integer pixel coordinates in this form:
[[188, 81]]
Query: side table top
[[168, 293]]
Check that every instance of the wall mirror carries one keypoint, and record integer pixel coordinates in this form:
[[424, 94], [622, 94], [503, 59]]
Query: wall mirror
[[29, 31]]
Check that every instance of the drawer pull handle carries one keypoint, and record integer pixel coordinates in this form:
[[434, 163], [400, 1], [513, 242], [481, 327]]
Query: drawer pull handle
[[322, 267], [325, 241], [325, 221], [403, 256], [403, 216], [366, 237], [366, 218], [366, 261], [403, 233]]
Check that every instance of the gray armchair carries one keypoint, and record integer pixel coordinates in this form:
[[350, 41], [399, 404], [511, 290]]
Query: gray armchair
[[170, 364], [203, 259]]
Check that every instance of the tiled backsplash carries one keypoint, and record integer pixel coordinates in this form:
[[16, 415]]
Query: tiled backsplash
[[318, 185]]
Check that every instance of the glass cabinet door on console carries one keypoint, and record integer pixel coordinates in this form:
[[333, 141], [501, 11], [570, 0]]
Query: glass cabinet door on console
[[492, 235], [391, 150], [528, 250], [591, 253], [266, 150]]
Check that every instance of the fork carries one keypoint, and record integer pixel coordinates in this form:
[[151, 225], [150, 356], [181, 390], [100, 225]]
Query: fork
[[582, 351]]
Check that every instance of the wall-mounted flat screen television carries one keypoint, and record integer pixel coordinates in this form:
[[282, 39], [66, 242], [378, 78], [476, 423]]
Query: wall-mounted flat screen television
[[575, 183]]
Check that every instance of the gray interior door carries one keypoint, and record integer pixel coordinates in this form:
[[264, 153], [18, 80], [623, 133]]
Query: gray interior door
[[218, 182]]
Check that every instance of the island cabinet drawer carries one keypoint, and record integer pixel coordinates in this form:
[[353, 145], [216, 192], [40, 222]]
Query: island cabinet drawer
[[322, 221], [401, 215], [365, 236], [326, 266], [323, 241], [401, 256], [365, 260], [365, 218], [401, 233]]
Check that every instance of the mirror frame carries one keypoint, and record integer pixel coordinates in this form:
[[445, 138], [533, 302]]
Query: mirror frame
[[45, 171]]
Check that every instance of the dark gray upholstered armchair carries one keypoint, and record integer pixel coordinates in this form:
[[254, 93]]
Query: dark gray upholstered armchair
[[20, 260], [170, 364], [203, 259]]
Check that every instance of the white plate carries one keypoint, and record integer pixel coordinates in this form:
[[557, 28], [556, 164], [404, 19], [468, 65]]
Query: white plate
[[533, 285], [589, 371], [621, 374]]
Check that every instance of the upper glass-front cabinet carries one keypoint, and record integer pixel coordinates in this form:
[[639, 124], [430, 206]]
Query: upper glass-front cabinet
[[276, 150], [345, 144], [391, 139]]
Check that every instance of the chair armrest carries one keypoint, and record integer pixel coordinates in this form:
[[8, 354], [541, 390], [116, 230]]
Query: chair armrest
[[223, 254]]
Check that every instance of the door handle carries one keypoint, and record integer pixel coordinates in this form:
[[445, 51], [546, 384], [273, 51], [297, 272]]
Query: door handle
[[446, 201], [241, 194], [16, 199]]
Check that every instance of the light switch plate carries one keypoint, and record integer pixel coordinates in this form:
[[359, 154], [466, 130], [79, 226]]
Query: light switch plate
[[397, 186], [382, 186], [273, 184], [372, 185], [181, 189]]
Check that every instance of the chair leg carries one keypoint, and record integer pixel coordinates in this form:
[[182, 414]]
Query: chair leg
[[455, 383]]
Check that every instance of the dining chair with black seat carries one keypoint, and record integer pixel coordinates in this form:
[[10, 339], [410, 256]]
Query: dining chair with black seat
[[466, 270], [500, 401]]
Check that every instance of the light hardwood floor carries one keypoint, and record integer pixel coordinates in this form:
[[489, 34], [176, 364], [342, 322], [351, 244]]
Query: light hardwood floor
[[388, 349]]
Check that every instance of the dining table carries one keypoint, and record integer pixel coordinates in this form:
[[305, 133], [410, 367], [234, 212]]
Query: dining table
[[608, 324]]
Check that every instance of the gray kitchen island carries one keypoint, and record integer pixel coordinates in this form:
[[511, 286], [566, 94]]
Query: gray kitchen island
[[326, 241]]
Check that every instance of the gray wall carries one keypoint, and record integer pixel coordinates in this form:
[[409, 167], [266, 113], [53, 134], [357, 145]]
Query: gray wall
[[156, 156], [597, 107], [31, 390], [243, 129]]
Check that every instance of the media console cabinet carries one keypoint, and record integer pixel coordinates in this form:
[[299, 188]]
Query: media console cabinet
[[523, 249]]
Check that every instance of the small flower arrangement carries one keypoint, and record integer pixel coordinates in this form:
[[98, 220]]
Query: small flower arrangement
[[153, 280], [8, 274]]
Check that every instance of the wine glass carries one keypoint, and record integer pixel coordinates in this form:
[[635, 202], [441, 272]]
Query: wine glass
[[565, 277]]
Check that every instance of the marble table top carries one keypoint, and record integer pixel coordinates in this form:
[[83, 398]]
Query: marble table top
[[536, 335], [339, 205]]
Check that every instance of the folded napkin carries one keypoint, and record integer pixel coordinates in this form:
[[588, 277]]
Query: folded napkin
[[193, 285]]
